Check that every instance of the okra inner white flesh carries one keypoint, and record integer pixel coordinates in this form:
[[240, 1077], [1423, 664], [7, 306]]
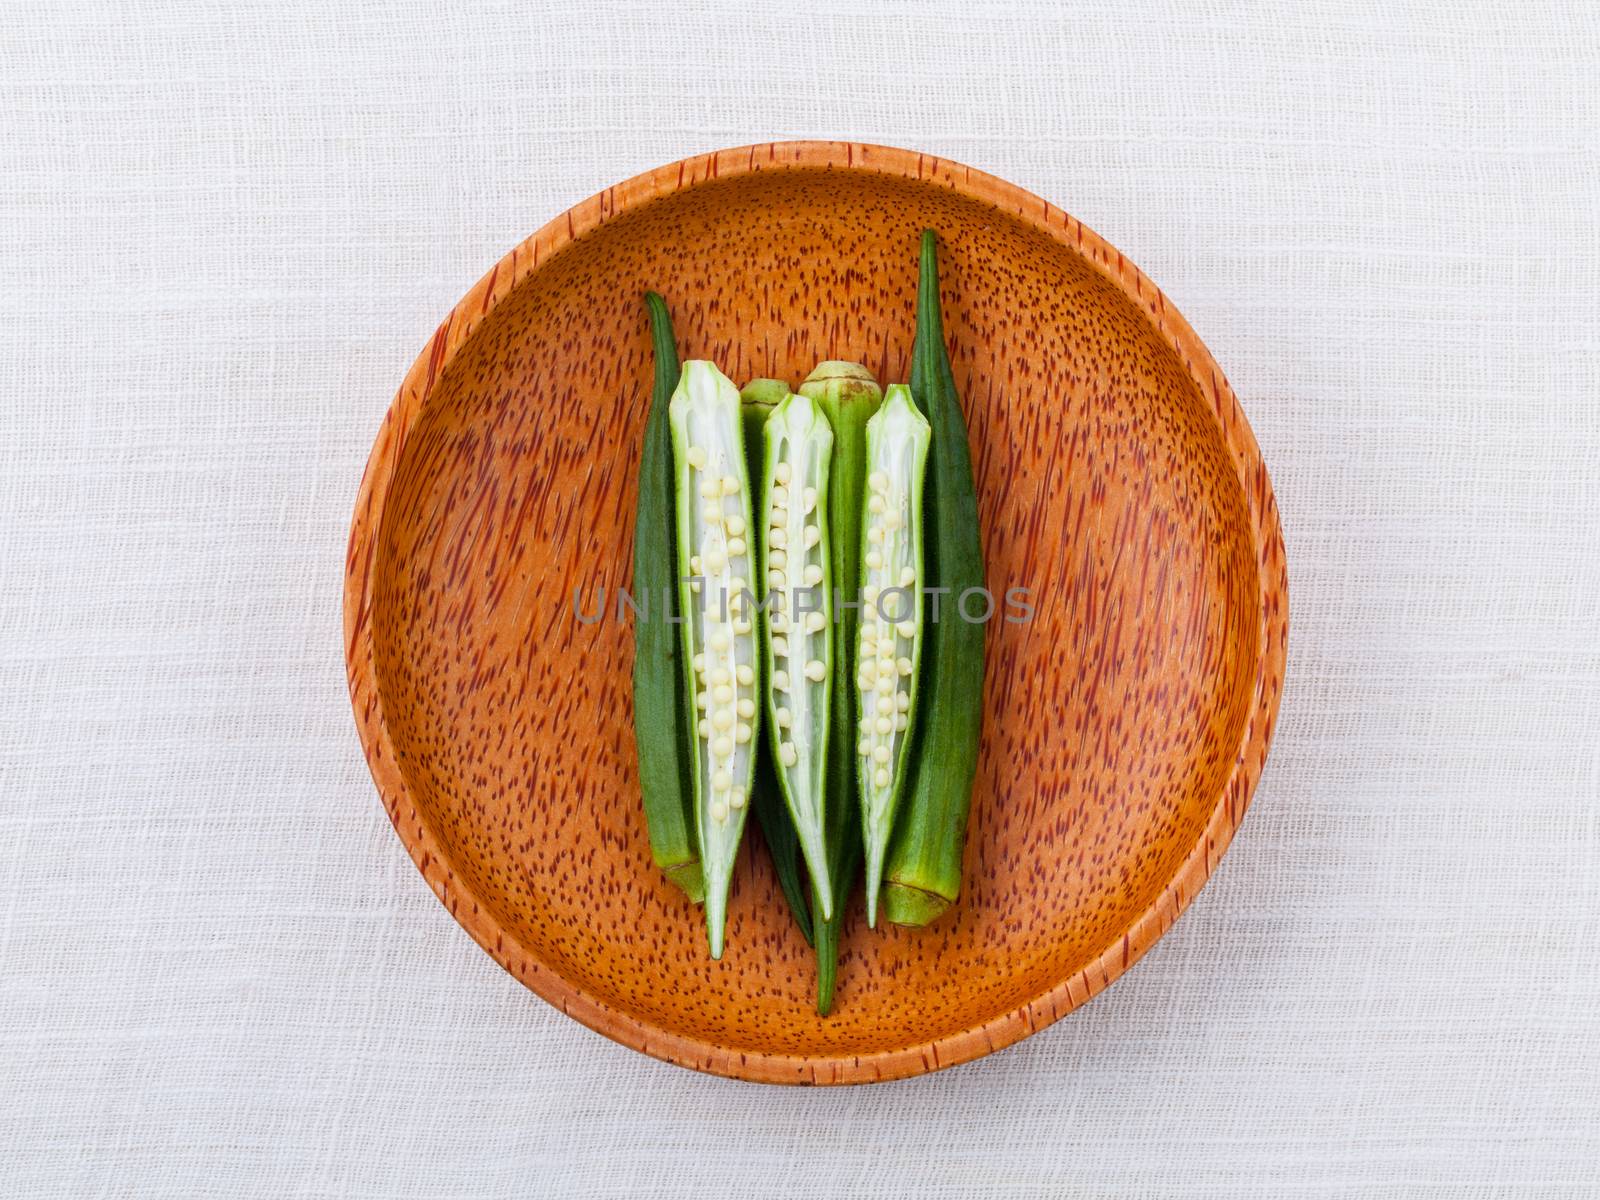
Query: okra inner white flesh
[[716, 561], [890, 638], [799, 608]]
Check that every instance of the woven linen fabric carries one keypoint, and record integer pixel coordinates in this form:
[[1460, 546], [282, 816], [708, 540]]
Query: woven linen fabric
[[227, 227]]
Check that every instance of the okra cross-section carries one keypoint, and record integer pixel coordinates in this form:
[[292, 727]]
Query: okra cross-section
[[890, 641], [799, 624], [716, 559]]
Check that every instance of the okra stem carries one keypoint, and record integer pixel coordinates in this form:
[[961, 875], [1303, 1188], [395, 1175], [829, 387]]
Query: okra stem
[[891, 619], [660, 715], [923, 873], [716, 562]]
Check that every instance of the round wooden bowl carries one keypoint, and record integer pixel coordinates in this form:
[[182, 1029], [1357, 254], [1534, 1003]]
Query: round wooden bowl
[[1126, 723]]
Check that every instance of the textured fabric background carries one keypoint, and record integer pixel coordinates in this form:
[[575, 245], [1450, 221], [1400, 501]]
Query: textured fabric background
[[227, 227]]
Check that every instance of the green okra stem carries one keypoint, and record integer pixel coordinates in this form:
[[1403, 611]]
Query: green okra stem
[[757, 400], [922, 876], [716, 560], [889, 649], [848, 396], [799, 642], [660, 712]]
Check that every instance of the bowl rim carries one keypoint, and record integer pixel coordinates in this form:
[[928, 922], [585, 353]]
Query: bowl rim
[[1233, 797]]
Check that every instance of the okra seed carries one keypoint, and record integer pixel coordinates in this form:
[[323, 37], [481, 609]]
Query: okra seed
[[721, 676], [730, 485], [694, 564], [735, 546], [880, 754], [746, 675], [719, 811], [863, 748], [885, 684], [775, 579], [780, 472], [878, 481], [874, 559], [741, 626], [901, 720], [875, 535], [870, 593], [864, 682], [721, 781], [904, 666], [695, 587], [881, 777], [703, 727], [903, 701], [815, 671], [908, 576], [777, 560], [782, 717], [810, 496], [907, 629], [699, 661], [735, 525], [869, 669], [747, 708], [722, 747], [737, 800], [710, 489], [722, 694], [883, 725], [701, 700], [780, 496], [780, 680], [722, 720], [813, 575], [813, 536], [697, 458], [780, 646], [741, 734], [875, 504], [788, 753], [778, 539], [715, 560], [720, 641], [892, 520], [815, 621], [885, 705], [886, 647]]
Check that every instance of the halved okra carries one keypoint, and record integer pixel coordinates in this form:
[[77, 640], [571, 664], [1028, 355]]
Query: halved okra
[[890, 647], [799, 619], [716, 557]]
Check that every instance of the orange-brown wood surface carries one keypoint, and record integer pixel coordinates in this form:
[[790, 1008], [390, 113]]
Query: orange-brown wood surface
[[1125, 725]]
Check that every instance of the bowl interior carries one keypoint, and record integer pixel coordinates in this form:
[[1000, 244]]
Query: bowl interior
[[1114, 715]]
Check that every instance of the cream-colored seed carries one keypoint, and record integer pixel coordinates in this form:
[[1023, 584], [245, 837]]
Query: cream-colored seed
[[703, 727], [730, 485], [883, 725], [780, 680], [741, 626], [780, 496], [880, 754], [722, 746], [885, 684], [885, 647], [813, 575], [901, 720], [778, 539], [777, 618], [722, 694], [735, 525], [722, 720], [815, 671], [735, 547], [780, 473], [695, 587], [875, 535], [715, 560], [694, 564], [746, 708], [710, 489], [777, 560], [712, 516], [701, 700], [721, 781], [741, 734], [815, 621], [904, 666], [780, 646], [788, 754], [775, 579], [699, 661], [746, 674], [875, 504], [737, 800], [878, 481], [721, 675], [720, 641], [907, 629], [869, 670], [885, 705], [719, 811], [902, 701], [697, 457], [892, 520], [874, 559], [863, 747], [813, 535], [881, 777], [908, 576], [864, 682], [810, 497], [782, 716]]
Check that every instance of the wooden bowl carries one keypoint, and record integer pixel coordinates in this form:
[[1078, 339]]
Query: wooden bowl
[[1126, 724]]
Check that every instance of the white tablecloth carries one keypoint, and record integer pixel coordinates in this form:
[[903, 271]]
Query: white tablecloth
[[226, 227]]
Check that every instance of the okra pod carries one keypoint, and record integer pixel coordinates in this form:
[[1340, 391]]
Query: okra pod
[[890, 644], [798, 614], [660, 714], [716, 560], [922, 877], [757, 400], [848, 396]]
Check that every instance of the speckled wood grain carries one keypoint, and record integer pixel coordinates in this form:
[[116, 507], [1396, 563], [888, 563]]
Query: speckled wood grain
[[1126, 723]]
